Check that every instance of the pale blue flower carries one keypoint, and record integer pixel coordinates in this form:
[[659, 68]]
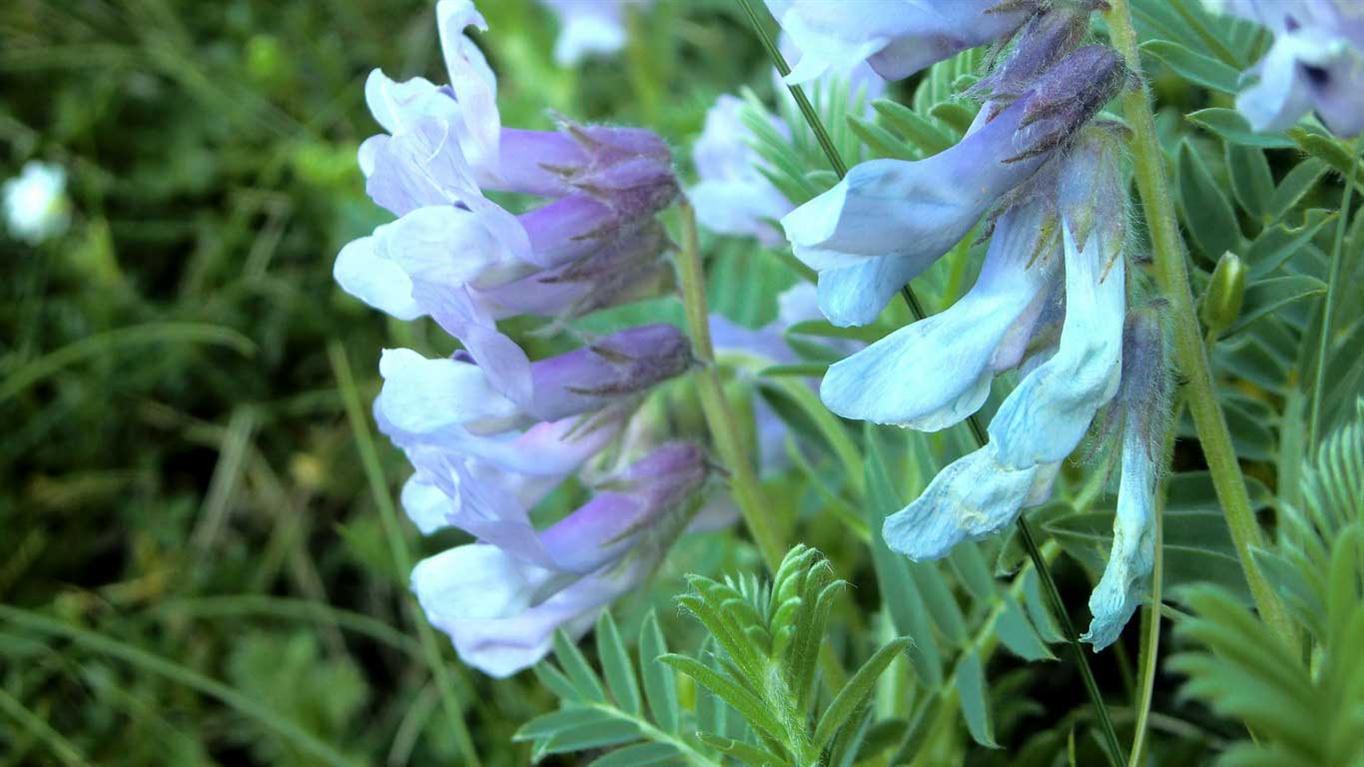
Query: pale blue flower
[[971, 498], [888, 220], [733, 196], [934, 373], [896, 37], [1045, 417], [1316, 63]]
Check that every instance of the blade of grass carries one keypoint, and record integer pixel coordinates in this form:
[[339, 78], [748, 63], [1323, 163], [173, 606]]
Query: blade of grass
[[101, 343], [63, 748], [149, 662], [369, 457]]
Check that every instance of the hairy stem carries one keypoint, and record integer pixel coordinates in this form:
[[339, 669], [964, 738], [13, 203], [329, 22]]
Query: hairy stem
[[1173, 275], [1328, 310]]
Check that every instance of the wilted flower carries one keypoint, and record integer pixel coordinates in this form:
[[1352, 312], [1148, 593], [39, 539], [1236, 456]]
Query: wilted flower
[[1315, 64], [589, 27], [490, 431], [896, 37], [36, 208], [1143, 412]]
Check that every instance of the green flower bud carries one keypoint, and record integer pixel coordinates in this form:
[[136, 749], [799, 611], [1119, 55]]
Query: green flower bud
[[1226, 291]]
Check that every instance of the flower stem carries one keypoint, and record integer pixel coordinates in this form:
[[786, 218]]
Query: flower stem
[[1173, 276], [720, 420], [1328, 310], [402, 556], [1115, 752]]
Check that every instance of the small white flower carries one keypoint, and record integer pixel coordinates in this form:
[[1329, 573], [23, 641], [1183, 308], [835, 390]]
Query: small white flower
[[36, 208]]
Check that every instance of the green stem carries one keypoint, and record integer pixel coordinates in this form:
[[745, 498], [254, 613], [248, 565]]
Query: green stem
[[1329, 308], [1173, 275], [743, 481], [402, 556], [59, 745], [720, 421], [1149, 652], [1114, 748]]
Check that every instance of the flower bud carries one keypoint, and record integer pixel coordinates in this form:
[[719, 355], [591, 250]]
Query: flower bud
[[1225, 294]]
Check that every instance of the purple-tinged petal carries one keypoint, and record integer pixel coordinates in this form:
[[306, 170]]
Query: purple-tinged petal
[[619, 365], [474, 86]]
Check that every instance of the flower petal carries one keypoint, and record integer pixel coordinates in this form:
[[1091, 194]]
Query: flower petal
[[935, 372], [1044, 419], [377, 281]]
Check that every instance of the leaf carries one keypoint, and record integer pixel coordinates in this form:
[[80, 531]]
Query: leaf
[[1231, 127], [1207, 213], [1252, 183], [974, 700], [1295, 186], [749, 706], [1278, 243], [857, 690], [1267, 296], [615, 661], [660, 686], [577, 669], [747, 753], [1018, 634], [1205, 71], [608, 732], [927, 137], [897, 588], [973, 571], [1330, 150], [641, 755], [955, 115], [572, 718], [880, 140], [941, 604]]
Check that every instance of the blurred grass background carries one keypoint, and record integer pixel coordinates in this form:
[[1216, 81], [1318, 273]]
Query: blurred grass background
[[193, 567]]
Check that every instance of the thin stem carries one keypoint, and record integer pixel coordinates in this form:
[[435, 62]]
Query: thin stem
[[59, 745], [1329, 309], [397, 544], [798, 93], [1149, 652], [743, 481], [1115, 752], [720, 421], [1173, 275], [977, 431]]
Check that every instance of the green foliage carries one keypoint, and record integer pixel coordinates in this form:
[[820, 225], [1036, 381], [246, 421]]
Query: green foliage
[[1302, 712], [762, 666]]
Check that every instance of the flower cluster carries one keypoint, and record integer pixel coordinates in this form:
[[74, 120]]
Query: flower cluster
[[490, 431], [1050, 300], [1316, 63]]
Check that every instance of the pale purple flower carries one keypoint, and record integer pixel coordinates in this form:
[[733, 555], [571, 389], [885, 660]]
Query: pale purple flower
[[1316, 63], [895, 37], [589, 27], [501, 608]]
